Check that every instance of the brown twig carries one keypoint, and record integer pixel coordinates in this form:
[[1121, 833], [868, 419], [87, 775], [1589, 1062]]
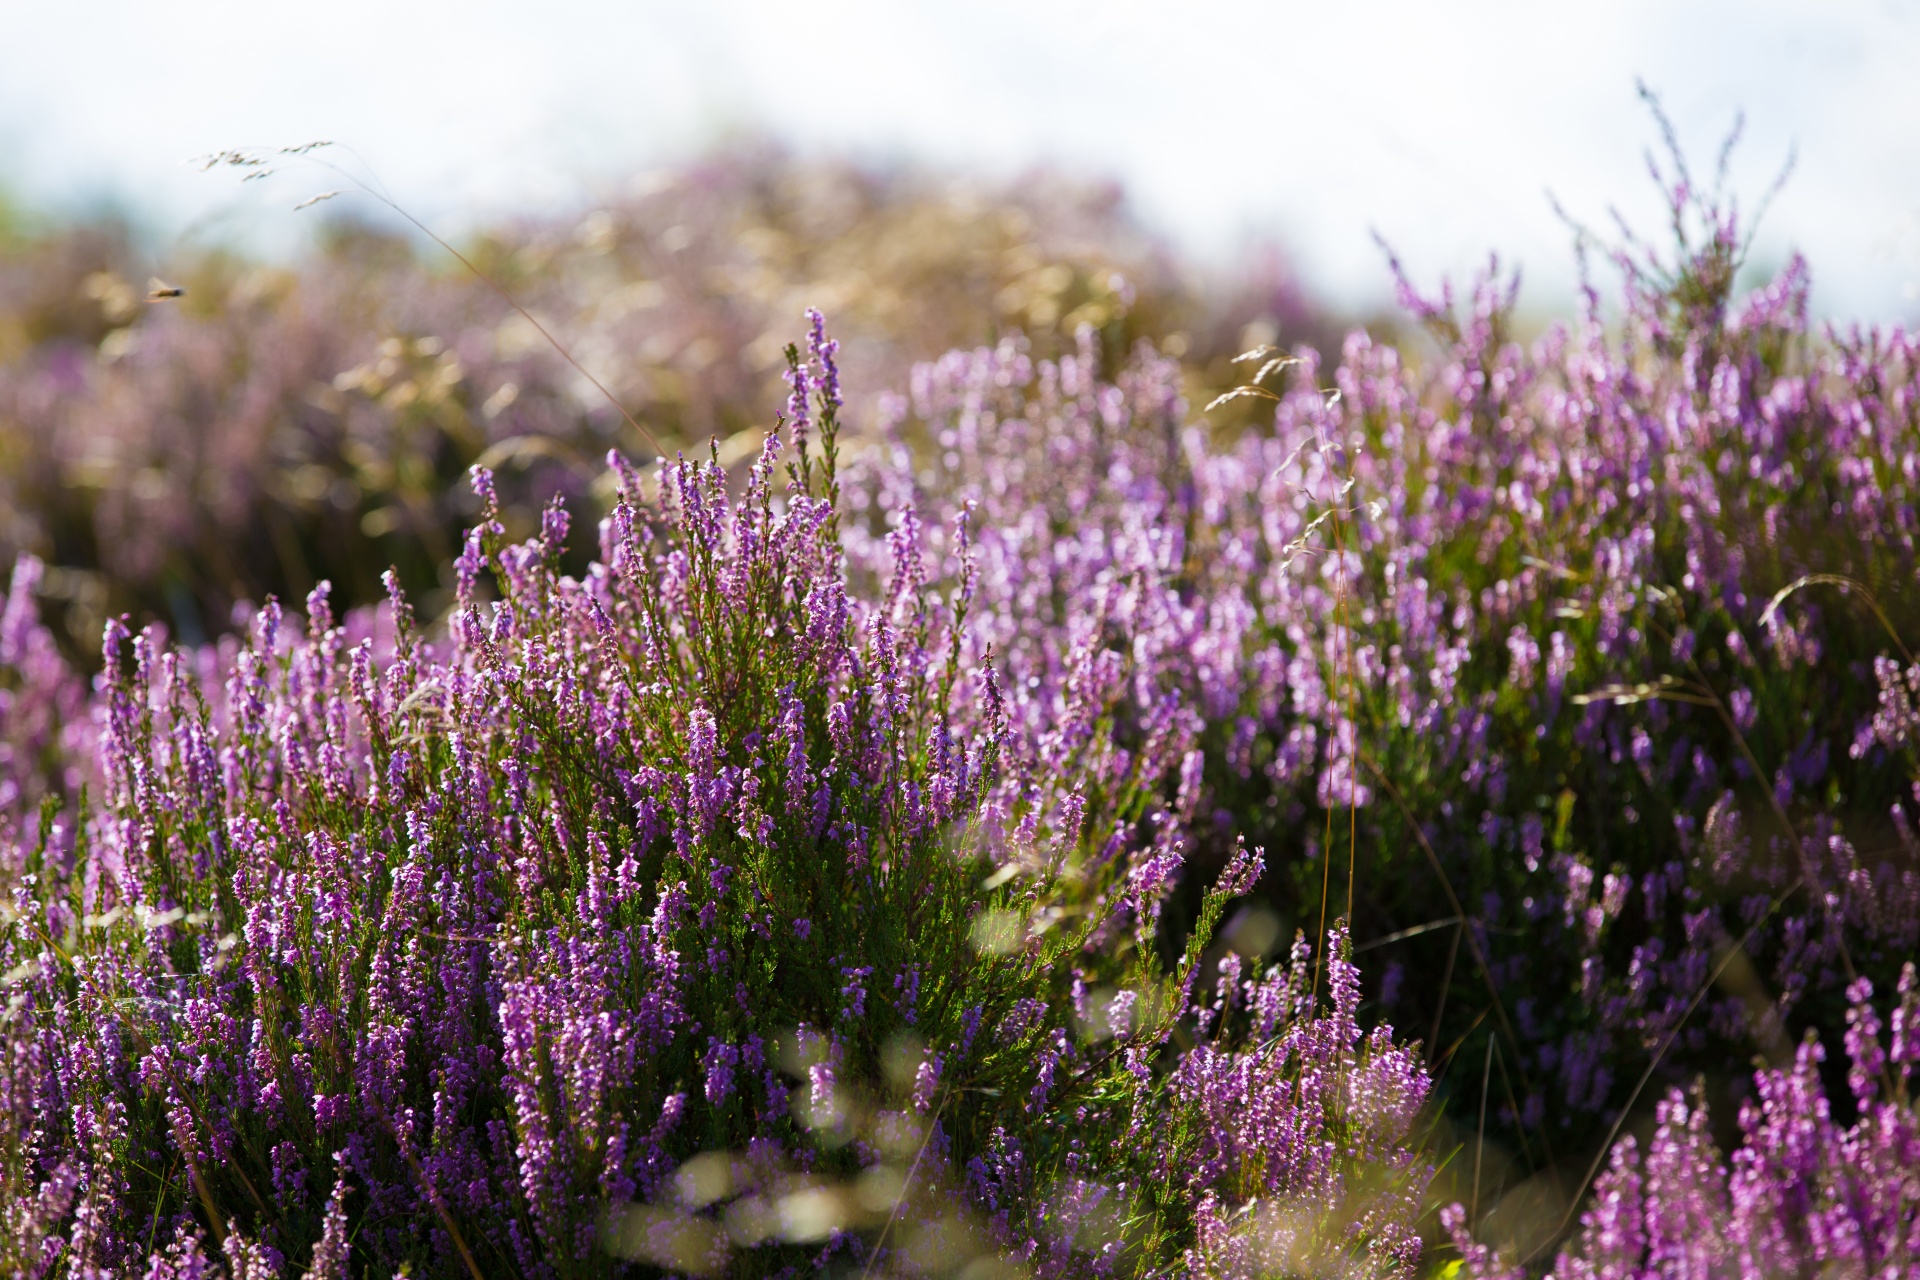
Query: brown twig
[[433, 1194]]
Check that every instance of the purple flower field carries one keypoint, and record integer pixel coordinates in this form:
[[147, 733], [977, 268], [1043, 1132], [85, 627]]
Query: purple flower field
[[1445, 809]]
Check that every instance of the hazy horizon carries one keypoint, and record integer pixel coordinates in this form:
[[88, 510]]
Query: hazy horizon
[[1232, 123]]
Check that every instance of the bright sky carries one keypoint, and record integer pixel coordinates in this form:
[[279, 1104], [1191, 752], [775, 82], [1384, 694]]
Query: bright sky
[[1441, 125]]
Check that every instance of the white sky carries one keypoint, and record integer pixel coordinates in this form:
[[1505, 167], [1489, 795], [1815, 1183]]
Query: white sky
[[1443, 125]]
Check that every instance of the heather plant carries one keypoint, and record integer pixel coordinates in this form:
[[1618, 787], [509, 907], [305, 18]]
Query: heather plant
[[679, 915], [1557, 660], [838, 874], [1802, 1195]]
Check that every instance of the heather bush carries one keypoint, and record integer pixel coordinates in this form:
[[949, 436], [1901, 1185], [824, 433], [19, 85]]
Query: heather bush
[[678, 915], [1802, 1195], [1557, 661], [854, 872]]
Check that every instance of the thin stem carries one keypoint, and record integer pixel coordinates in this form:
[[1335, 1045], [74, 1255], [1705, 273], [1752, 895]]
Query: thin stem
[[906, 1184], [1848, 586], [1480, 1144], [1446, 986], [159, 1201], [1513, 1100], [1404, 934], [1472, 1027], [506, 297]]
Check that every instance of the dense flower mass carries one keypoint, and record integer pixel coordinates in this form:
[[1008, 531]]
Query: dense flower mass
[[1576, 668], [1573, 663], [885, 862], [673, 915], [1804, 1195]]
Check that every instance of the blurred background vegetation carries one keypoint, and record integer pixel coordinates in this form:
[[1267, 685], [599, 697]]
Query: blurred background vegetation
[[283, 422]]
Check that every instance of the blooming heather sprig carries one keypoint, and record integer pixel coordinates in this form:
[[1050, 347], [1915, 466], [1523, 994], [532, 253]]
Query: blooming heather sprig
[[1270, 1202], [1801, 1195], [821, 352], [385, 951]]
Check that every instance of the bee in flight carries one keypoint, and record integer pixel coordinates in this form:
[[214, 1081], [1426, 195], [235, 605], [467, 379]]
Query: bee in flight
[[158, 289]]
